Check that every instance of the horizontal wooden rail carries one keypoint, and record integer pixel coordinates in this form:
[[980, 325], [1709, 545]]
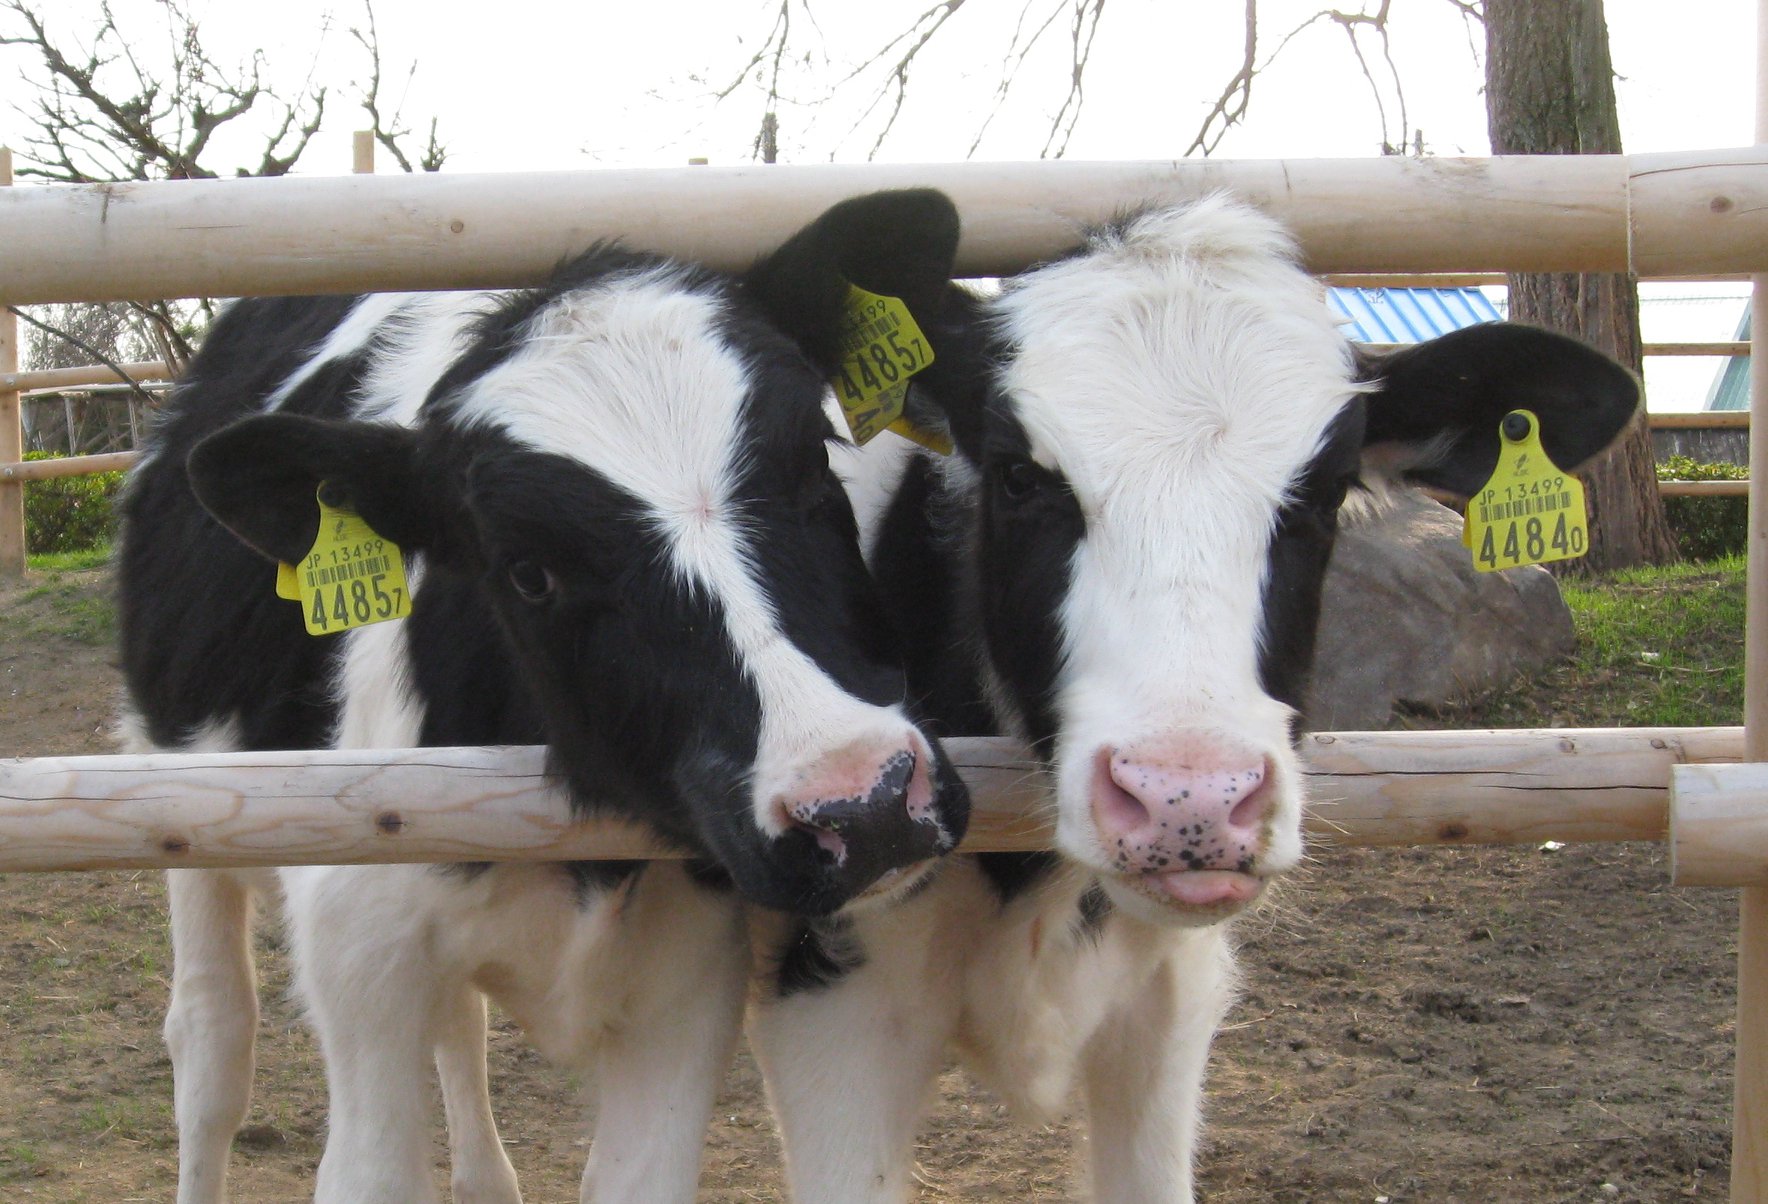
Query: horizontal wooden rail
[[1728, 347], [68, 466], [1703, 488], [1697, 420], [1494, 279], [88, 374], [1719, 825], [1691, 212], [472, 804], [1671, 349]]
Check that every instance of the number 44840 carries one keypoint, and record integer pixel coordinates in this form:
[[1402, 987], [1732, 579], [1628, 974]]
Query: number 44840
[[1527, 541]]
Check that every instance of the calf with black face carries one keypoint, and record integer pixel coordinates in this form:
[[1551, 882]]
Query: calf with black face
[[625, 542], [1122, 565]]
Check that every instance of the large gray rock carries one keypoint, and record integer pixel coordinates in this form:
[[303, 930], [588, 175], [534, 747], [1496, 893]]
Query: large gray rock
[[1406, 618]]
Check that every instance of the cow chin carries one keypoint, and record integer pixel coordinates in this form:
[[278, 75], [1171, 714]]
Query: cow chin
[[1183, 898], [793, 873]]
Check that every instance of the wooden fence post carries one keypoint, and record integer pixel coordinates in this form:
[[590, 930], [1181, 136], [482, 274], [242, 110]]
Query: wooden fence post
[[12, 433], [362, 152], [1749, 1111]]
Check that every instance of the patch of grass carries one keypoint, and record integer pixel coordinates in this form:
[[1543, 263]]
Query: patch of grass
[[1658, 647], [68, 597], [69, 562], [74, 607]]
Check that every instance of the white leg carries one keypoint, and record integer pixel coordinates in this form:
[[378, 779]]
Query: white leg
[[658, 1077], [1144, 1076], [372, 995], [211, 1025], [849, 1066], [482, 1173]]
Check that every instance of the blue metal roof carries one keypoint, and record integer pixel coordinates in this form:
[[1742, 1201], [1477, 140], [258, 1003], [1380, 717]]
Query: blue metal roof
[[1731, 384], [1408, 315]]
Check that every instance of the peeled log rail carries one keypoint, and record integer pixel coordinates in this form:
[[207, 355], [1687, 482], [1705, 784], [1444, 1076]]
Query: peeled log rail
[[1658, 214], [1718, 825], [88, 374], [68, 466], [478, 804]]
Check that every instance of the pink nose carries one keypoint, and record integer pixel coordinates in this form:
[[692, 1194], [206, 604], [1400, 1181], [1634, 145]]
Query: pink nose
[[1191, 802]]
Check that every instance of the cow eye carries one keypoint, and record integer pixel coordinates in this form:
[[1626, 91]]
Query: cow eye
[[531, 580], [1018, 479]]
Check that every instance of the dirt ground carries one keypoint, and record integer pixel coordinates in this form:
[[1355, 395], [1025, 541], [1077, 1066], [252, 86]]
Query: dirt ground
[[1461, 1025]]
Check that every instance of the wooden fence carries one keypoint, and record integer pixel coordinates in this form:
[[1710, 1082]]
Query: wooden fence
[[1697, 212]]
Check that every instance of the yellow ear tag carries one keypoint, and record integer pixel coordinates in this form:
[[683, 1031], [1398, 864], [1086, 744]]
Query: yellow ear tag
[[350, 578], [1529, 512], [881, 347]]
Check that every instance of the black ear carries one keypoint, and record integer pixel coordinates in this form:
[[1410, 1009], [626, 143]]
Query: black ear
[[258, 477], [955, 386], [896, 244], [1435, 416]]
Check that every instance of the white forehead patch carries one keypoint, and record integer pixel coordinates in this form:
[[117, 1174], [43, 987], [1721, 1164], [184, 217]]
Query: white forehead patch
[[1184, 351]]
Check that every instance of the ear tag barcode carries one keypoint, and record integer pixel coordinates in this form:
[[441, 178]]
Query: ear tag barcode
[[1529, 512], [351, 577], [881, 347]]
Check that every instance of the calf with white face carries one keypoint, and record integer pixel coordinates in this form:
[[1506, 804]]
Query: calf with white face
[[1122, 565], [625, 542]]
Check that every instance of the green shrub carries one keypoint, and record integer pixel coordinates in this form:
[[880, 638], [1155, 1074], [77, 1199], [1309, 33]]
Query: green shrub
[[1706, 528], [70, 514]]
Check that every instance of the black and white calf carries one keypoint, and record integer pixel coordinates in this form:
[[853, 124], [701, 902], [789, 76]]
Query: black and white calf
[[1122, 565], [626, 543]]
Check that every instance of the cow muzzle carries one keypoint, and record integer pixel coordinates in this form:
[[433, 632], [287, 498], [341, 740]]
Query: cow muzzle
[[1184, 821], [874, 811]]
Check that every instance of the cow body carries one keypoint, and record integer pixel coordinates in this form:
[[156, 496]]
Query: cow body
[[625, 542], [1122, 566]]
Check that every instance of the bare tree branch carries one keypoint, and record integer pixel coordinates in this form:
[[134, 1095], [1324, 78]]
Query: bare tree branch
[[388, 131], [86, 347], [1086, 14], [113, 105], [1230, 107], [1011, 62], [896, 81]]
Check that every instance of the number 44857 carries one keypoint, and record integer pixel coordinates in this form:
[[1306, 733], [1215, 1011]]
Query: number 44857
[[356, 602]]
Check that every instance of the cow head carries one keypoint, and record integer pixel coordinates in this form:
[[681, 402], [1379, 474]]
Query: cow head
[[1161, 429], [624, 477]]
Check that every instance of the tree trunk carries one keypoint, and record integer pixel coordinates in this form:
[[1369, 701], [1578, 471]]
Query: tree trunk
[[1550, 91]]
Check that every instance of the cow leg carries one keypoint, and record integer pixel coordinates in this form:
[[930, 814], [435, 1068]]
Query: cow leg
[[211, 1025], [482, 1173], [657, 1078], [373, 995], [1143, 1074], [850, 1065]]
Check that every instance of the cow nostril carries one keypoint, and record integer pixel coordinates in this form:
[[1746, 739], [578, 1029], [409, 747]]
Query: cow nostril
[[1116, 808], [828, 840], [1250, 811]]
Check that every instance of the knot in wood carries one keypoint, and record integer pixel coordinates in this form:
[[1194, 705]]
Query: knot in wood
[[389, 822]]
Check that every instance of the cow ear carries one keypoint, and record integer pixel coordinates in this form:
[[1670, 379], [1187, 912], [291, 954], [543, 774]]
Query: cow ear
[[1435, 408], [259, 478], [897, 244]]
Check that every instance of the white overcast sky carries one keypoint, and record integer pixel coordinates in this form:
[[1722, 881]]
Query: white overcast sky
[[526, 85]]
